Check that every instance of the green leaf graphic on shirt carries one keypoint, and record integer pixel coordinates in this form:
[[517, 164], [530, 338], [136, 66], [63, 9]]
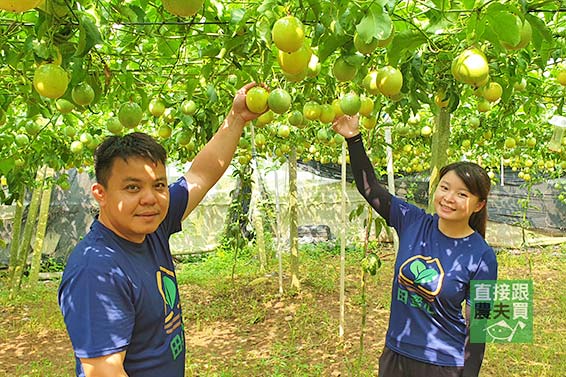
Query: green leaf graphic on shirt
[[416, 267], [170, 290], [422, 274]]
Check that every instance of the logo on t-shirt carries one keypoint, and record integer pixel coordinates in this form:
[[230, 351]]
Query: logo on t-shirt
[[167, 285], [422, 275]]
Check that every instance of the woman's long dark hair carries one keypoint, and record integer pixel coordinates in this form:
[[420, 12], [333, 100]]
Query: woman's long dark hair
[[478, 183]]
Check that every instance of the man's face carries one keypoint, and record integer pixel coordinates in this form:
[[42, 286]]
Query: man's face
[[135, 199]]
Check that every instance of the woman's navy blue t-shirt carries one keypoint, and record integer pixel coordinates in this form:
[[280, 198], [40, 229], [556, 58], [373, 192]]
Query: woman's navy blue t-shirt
[[431, 281]]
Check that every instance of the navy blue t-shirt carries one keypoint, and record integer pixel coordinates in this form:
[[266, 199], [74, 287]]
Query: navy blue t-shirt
[[117, 295], [431, 281]]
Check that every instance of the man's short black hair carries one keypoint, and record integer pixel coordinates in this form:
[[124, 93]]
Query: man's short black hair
[[135, 144]]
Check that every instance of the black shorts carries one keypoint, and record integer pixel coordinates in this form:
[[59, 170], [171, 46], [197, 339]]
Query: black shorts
[[392, 364]]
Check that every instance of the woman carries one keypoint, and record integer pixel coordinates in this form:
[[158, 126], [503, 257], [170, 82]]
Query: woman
[[438, 257]]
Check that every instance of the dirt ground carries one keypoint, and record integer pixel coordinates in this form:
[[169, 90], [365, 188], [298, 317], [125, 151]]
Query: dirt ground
[[320, 343], [210, 344], [26, 351], [248, 329]]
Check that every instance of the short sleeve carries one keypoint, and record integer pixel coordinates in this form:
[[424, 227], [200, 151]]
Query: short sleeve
[[403, 214], [486, 270], [97, 309], [179, 198], [487, 267]]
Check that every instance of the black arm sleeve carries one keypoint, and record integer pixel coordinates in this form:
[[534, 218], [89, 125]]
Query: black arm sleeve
[[366, 181], [473, 353]]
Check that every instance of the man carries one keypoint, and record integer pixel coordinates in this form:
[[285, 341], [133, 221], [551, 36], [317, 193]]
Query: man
[[118, 294]]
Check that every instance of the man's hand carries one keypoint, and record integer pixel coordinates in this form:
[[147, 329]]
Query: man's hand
[[239, 110], [214, 158], [346, 125]]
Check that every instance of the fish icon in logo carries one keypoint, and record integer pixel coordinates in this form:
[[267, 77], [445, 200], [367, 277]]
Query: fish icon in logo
[[503, 332], [422, 275]]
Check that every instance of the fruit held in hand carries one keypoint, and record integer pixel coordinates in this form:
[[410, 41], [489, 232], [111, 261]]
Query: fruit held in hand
[[350, 104], [256, 99], [371, 263]]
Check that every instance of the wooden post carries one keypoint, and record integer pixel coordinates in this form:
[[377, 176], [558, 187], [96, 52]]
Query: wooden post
[[293, 220], [343, 242], [439, 155]]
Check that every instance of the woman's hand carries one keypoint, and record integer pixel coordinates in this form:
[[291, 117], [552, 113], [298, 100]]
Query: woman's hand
[[346, 125]]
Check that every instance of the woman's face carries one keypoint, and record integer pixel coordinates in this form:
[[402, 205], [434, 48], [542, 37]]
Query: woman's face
[[453, 201]]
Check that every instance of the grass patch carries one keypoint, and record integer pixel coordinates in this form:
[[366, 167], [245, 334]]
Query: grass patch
[[238, 324]]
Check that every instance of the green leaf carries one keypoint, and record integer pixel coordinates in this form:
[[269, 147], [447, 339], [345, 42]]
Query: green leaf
[[6, 165], [506, 25], [41, 50], [143, 99], [127, 12], [475, 27], [540, 32], [187, 120], [210, 51], [426, 276], [454, 102], [315, 8], [267, 5], [89, 35], [417, 267], [331, 44], [77, 70], [376, 24], [545, 50], [414, 102], [263, 30], [404, 43], [355, 60], [170, 291], [170, 47], [236, 16], [33, 106], [211, 93], [234, 44], [128, 78], [190, 87], [43, 25], [12, 57], [469, 4], [378, 226]]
